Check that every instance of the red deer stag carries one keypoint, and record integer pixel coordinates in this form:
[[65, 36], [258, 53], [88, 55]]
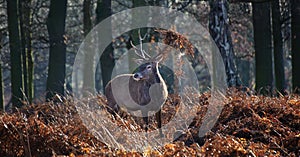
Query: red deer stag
[[144, 91]]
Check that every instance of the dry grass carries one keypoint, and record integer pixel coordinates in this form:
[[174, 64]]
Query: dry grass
[[248, 125]]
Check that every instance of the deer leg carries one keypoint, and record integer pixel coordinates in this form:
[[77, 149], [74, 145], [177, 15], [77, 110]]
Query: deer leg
[[146, 120], [113, 110], [158, 119]]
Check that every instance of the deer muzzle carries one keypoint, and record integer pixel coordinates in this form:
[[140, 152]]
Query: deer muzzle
[[137, 76]]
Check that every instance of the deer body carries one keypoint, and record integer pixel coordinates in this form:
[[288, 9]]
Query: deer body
[[144, 90]]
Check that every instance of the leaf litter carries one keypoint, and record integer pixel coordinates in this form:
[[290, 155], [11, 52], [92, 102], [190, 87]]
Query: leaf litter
[[249, 125]]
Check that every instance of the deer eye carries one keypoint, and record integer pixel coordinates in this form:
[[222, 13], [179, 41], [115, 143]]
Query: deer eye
[[149, 67]]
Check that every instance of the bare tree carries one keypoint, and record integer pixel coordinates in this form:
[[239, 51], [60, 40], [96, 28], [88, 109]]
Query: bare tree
[[57, 58], [263, 47], [15, 52], [295, 10], [107, 61], [27, 60], [2, 105], [278, 47], [87, 21], [220, 32], [88, 81]]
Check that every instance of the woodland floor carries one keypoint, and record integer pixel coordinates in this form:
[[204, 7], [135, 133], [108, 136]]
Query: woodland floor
[[249, 125]]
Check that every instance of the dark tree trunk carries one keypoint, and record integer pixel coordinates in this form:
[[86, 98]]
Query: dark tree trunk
[[2, 105], [278, 48], [107, 59], [30, 68], [57, 58], [25, 22], [22, 15], [15, 52], [29, 59], [87, 22], [88, 81], [263, 47], [220, 32], [295, 10]]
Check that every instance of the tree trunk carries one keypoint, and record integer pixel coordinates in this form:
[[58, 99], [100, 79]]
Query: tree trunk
[[263, 47], [30, 68], [87, 22], [22, 15], [88, 80], [2, 105], [25, 22], [295, 11], [57, 57], [107, 59], [28, 38], [220, 32], [278, 48], [15, 52]]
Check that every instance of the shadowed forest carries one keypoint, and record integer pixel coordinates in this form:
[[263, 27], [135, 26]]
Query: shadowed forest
[[232, 71]]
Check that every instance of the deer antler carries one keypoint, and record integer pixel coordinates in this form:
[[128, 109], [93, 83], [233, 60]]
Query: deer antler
[[140, 52]]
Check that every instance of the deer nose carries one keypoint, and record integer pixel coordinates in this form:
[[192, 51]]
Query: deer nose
[[137, 76]]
